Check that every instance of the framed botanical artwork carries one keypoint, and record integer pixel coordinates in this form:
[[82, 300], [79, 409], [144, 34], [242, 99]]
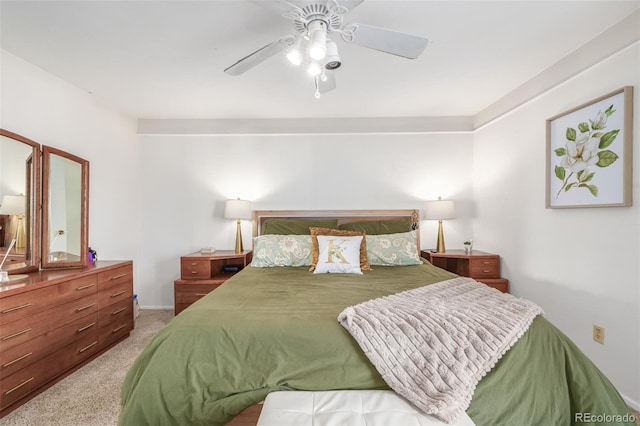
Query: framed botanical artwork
[[589, 153]]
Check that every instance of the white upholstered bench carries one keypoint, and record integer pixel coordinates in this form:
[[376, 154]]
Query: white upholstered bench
[[345, 408]]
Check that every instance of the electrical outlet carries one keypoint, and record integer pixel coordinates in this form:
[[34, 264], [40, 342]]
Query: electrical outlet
[[598, 334]]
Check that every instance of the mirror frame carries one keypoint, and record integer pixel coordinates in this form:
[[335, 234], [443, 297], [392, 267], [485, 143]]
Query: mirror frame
[[47, 151], [32, 194]]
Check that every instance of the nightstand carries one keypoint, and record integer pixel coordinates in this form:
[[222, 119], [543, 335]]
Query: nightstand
[[200, 274], [481, 266]]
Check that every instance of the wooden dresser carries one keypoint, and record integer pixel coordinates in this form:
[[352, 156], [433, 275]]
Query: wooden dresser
[[481, 266], [56, 321], [200, 274]]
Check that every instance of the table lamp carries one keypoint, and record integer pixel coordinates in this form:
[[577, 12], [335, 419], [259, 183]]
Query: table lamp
[[238, 210], [440, 210], [15, 205]]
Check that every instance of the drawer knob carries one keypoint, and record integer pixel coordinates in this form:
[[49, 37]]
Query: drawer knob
[[17, 359], [87, 347], [84, 287], [118, 311], [86, 327], [16, 308], [115, 330], [19, 386], [116, 277], [84, 308], [120, 293], [16, 334]]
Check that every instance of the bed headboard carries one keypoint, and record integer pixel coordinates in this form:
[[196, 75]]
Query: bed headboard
[[343, 216]]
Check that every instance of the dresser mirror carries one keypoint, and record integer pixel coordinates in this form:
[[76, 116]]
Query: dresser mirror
[[56, 235], [19, 196], [65, 199]]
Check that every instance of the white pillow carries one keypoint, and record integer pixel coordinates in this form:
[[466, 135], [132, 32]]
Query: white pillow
[[338, 254]]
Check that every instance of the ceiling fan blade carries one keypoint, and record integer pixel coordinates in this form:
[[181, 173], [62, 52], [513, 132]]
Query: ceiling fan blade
[[328, 84], [385, 40], [259, 56], [348, 4], [279, 7]]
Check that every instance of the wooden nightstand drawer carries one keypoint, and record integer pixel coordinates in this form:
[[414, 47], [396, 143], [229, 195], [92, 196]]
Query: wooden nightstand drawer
[[488, 267], [501, 284], [194, 269], [189, 293]]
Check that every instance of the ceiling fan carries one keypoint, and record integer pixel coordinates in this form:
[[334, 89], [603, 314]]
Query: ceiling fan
[[314, 22]]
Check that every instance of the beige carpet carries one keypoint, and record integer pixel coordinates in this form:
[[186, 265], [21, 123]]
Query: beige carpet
[[91, 396]]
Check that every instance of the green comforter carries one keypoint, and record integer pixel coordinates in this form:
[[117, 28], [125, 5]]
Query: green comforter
[[270, 329]]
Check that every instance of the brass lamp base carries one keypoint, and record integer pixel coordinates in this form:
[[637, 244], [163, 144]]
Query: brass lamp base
[[440, 244], [20, 237], [239, 247]]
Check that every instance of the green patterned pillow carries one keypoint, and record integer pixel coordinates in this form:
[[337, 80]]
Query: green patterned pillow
[[281, 250], [393, 249]]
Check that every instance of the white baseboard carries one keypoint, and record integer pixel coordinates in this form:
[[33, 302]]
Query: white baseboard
[[631, 403], [157, 308]]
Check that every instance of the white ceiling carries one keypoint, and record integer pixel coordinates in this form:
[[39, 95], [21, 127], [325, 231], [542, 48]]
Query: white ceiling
[[165, 59]]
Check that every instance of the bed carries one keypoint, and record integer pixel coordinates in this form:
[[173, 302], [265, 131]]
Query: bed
[[273, 327]]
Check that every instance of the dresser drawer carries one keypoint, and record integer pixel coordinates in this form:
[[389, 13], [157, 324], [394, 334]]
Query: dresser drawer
[[32, 302], [115, 330], [115, 294], [115, 312], [26, 380], [18, 332], [488, 267], [114, 277], [195, 269], [18, 357]]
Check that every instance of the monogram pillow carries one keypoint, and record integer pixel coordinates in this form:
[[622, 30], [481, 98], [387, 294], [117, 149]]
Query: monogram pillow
[[364, 262], [338, 254]]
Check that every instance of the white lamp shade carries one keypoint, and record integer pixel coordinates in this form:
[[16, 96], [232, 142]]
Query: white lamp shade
[[440, 210], [13, 204], [237, 209]]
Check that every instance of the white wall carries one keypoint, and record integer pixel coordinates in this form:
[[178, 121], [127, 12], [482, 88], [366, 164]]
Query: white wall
[[582, 266], [185, 180], [48, 110]]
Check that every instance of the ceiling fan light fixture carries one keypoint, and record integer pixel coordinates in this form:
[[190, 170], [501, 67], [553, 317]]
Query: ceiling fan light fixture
[[314, 69], [333, 60], [295, 54], [295, 57], [318, 38]]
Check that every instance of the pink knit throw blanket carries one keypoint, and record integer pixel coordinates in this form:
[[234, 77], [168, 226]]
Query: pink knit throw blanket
[[432, 345]]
